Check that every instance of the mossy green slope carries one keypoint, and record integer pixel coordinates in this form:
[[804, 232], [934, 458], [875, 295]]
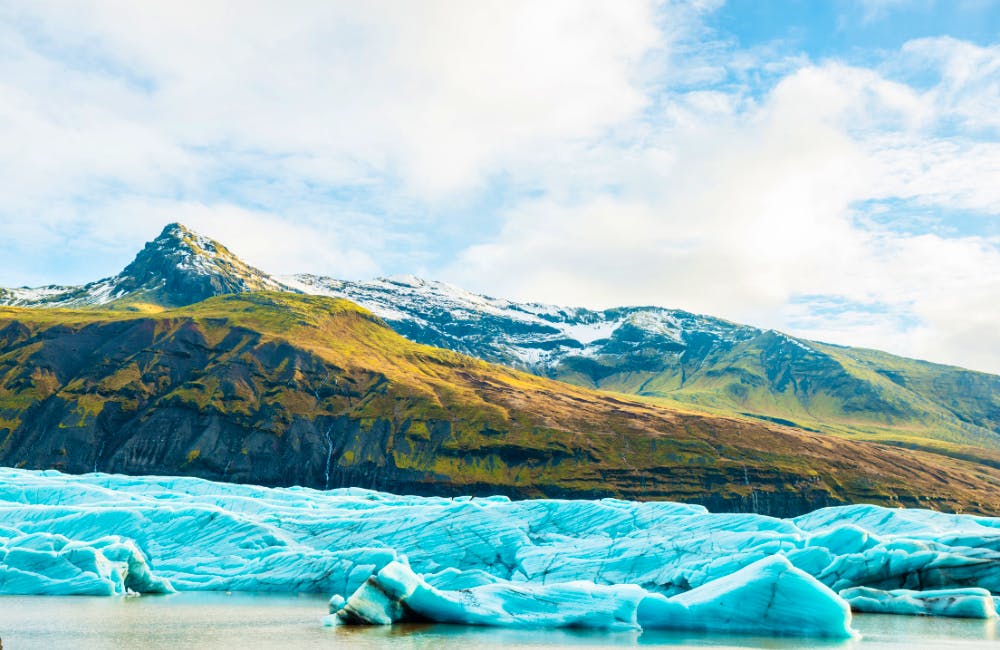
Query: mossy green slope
[[275, 388], [847, 391]]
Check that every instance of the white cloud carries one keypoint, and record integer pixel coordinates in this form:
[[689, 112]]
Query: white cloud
[[938, 302], [877, 9], [948, 173], [744, 208], [439, 92], [274, 108], [634, 158], [968, 88]]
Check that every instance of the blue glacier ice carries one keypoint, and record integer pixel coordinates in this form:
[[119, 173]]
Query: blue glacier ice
[[769, 596], [397, 594], [42, 563], [766, 597], [607, 563], [970, 602]]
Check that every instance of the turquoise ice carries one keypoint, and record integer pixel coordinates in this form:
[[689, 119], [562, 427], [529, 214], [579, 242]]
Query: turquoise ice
[[766, 597], [603, 563], [970, 602]]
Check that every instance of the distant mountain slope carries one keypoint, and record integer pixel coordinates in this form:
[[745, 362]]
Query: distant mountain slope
[[697, 361], [664, 355], [281, 389]]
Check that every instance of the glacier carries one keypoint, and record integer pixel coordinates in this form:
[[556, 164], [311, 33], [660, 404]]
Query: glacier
[[385, 558]]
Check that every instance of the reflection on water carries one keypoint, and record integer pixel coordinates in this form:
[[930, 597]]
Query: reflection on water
[[216, 620]]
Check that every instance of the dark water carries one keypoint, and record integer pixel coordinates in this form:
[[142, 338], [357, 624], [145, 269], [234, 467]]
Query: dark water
[[216, 620]]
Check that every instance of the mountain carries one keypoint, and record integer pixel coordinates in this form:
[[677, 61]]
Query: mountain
[[675, 357], [664, 356], [281, 389], [177, 268]]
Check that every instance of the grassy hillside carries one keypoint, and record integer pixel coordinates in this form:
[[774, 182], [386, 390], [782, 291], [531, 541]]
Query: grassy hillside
[[279, 388], [853, 392]]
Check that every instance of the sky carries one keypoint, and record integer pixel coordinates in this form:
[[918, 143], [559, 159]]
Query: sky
[[827, 168]]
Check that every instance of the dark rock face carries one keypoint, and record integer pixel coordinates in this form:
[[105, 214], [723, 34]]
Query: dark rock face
[[133, 397]]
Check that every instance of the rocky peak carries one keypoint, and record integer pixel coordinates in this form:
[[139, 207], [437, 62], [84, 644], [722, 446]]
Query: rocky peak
[[178, 268], [181, 267]]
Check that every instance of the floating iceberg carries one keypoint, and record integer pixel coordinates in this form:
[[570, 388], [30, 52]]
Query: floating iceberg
[[609, 563], [768, 597], [962, 603], [397, 594]]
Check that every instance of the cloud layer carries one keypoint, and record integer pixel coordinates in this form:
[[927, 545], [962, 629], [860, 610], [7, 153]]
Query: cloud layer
[[599, 153]]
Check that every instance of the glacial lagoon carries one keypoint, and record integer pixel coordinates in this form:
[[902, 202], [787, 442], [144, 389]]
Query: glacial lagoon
[[215, 620]]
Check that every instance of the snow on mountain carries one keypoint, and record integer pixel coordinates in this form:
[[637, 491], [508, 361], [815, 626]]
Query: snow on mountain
[[528, 335], [181, 267], [29, 296]]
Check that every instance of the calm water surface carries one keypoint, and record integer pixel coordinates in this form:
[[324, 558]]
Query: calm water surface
[[216, 620]]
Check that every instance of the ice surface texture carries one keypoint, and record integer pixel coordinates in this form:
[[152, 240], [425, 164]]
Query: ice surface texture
[[603, 563]]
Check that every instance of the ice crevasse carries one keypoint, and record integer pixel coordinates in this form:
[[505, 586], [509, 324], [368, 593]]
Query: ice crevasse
[[385, 558]]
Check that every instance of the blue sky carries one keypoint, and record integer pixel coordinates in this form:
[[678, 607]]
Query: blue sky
[[854, 30], [825, 168]]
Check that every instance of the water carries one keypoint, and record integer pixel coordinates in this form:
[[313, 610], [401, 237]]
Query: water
[[216, 620]]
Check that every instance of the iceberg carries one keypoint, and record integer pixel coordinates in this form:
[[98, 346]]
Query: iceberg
[[767, 597], [396, 594], [612, 564], [962, 603]]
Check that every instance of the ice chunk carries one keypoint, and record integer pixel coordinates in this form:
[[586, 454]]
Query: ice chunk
[[962, 603], [397, 594], [770, 596], [841, 540], [913, 564], [41, 563], [453, 579], [767, 597]]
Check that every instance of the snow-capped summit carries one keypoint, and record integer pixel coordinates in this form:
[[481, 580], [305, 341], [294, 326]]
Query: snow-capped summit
[[179, 267]]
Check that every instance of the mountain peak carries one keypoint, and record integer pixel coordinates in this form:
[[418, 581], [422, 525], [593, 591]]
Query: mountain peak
[[176, 238], [181, 267], [175, 229], [178, 268]]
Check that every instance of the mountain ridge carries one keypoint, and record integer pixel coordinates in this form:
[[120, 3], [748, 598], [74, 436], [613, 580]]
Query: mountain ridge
[[665, 356], [683, 359]]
